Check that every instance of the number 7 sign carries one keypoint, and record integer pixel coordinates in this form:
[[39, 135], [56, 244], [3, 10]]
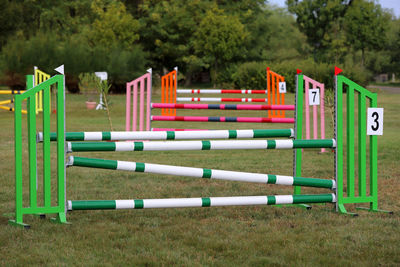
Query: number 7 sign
[[313, 97], [375, 121]]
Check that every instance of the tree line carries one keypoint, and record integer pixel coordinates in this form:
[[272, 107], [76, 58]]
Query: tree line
[[229, 43]]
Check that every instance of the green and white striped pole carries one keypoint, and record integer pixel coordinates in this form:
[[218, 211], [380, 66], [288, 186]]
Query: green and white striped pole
[[171, 135], [200, 172], [198, 202], [198, 145]]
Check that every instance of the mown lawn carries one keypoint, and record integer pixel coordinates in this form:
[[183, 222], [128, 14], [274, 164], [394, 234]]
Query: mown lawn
[[219, 236]]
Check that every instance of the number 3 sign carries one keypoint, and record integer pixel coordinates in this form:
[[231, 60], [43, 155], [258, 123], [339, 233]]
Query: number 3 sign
[[375, 121]]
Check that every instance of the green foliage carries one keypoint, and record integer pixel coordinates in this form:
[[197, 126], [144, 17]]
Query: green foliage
[[223, 38], [219, 39], [167, 30], [284, 40], [250, 75], [19, 56], [10, 19], [112, 26], [315, 18], [366, 26]]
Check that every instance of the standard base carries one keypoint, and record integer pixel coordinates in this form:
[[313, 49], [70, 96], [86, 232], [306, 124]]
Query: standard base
[[341, 209], [61, 219], [19, 224], [375, 210]]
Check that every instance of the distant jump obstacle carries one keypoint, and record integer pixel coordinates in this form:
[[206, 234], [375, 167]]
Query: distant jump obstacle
[[4, 105], [169, 106], [133, 91], [169, 85], [60, 137], [276, 88], [39, 77]]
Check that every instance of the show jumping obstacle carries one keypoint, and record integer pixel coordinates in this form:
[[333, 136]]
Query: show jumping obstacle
[[339, 198], [142, 81], [275, 96], [168, 91], [168, 106], [317, 97], [40, 77], [11, 101]]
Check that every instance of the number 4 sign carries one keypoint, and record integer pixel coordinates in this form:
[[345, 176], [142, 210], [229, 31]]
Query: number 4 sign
[[313, 97], [375, 121], [282, 87]]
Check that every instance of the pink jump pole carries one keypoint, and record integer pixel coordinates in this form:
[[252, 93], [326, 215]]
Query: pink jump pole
[[141, 81], [222, 119], [314, 84]]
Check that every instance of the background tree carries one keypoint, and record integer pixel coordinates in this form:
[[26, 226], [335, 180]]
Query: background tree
[[219, 39], [366, 26], [316, 18]]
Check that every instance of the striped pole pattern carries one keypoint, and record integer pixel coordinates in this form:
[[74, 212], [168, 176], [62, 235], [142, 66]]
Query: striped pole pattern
[[11, 92], [171, 135], [219, 91], [198, 145], [222, 106], [198, 202], [217, 99], [12, 109], [222, 119], [199, 172]]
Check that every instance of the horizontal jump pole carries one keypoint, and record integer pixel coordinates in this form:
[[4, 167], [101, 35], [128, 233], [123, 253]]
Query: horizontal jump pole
[[199, 172], [198, 145], [217, 99], [198, 202], [5, 102], [223, 106], [171, 135], [11, 92], [219, 91], [222, 119], [12, 109]]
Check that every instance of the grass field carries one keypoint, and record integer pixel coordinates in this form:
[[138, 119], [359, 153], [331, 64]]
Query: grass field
[[219, 236]]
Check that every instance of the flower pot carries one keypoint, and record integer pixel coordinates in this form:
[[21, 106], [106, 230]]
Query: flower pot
[[90, 105]]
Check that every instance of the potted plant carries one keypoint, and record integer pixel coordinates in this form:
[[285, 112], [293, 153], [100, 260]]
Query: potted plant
[[87, 86]]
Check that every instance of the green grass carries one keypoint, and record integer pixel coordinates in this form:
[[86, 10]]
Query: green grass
[[219, 236]]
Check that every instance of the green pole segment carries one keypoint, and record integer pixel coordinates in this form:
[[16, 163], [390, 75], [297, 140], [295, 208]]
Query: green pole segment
[[198, 202], [172, 135], [46, 148], [297, 161], [339, 143], [373, 159], [350, 142], [199, 172], [33, 207]]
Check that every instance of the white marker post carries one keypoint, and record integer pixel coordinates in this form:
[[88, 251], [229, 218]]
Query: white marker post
[[103, 76]]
